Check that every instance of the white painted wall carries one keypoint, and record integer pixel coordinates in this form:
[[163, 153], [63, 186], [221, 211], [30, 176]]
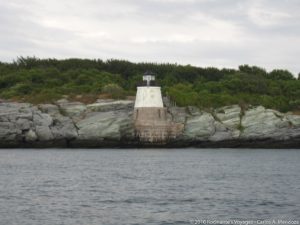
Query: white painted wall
[[148, 97]]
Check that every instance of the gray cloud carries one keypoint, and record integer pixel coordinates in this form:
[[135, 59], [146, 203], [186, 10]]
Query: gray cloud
[[218, 33]]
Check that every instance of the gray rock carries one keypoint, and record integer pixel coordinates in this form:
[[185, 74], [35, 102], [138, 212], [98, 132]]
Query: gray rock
[[15, 118], [71, 109], [261, 123], [109, 121], [44, 133], [220, 136], [62, 127], [13, 111], [229, 115], [30, 136], [101, 125], [199, 127], [24, 124], [127, 126], [193, 110], [294, 120], [42, 119], [7, 129], [178, 114], [221, 132], [110, 105], [50, 109]]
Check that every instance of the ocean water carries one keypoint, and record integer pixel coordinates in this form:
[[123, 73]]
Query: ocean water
[[148, 186]]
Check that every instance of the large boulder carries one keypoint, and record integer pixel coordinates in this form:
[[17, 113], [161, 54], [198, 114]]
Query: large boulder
[[15, 119], [25, 123], [104, 125], [42, 123], [107, 120], [9, 131], [44, 133], [229, 115], [71, 109], [63, 127], [42, 119], [223, 132], [294, 120], [260, 123], [199, 127]]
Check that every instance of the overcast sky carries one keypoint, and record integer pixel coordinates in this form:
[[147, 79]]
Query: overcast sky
[[221, 33]]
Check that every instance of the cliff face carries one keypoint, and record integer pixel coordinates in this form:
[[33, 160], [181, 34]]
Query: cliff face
[[108, 123]]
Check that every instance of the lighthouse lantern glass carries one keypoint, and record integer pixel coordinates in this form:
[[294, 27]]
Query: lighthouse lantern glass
[[148, 78]]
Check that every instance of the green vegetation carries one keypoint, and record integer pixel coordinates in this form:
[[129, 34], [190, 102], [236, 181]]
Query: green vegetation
[[43, 80]]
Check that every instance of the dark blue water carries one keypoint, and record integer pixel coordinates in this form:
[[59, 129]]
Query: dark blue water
[[90, 187]]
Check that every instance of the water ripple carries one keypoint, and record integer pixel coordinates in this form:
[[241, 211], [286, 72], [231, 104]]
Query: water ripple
[[54, 187]]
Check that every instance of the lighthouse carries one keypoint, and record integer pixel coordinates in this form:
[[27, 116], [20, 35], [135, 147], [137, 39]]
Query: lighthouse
[[150, 115]]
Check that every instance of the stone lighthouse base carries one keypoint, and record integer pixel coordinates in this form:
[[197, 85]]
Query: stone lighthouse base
[[151, 125]]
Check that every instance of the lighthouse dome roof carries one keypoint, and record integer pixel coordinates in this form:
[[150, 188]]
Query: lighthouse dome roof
[[148, 72]]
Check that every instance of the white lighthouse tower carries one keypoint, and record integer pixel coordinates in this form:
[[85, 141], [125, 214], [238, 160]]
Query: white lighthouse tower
[[148, 94], [150, 116], [149, 112]]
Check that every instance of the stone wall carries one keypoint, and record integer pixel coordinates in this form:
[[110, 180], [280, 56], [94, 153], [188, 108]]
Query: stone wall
[[152, 125]]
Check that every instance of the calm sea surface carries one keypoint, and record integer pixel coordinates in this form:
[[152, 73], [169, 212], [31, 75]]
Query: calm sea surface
[[148, 186]]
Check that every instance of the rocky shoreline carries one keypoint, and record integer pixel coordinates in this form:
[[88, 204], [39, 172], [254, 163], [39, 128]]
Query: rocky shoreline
[[109, 123]]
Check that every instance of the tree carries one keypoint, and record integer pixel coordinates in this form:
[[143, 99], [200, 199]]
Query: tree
[[254, 70], [281, 75], [40, 80], [114, 90], [183, 94]]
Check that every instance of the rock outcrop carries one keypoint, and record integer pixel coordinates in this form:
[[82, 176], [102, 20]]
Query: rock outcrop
[[109, 123]]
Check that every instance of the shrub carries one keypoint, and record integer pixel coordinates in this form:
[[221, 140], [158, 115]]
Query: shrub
[[114, 90]]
